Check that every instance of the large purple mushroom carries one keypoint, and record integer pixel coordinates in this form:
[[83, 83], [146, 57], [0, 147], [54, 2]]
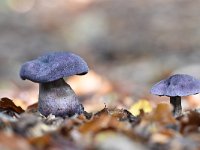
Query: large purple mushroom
[[176, 86], [55, 95]]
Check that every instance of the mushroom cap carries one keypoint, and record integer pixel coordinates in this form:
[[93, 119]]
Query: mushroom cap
[[53, 66], [177, 85]]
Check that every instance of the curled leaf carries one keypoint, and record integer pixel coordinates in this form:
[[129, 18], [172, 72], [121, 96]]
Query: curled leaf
[[7, 104]]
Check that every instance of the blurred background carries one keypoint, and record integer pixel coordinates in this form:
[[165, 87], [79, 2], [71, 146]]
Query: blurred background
[[128, 44]]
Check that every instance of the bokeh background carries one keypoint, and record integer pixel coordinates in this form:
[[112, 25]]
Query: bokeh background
[[128, 44]]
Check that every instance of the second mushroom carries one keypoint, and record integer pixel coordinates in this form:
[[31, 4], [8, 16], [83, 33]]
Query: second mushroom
[[175, 87]]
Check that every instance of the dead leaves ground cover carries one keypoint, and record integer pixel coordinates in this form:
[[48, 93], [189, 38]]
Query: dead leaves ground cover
[[109, 128]]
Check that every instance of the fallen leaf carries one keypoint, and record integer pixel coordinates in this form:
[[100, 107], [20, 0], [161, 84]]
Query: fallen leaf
[[190, 122], [140, 105], [32, 108], [105, 119], [162, 114], [7, 104]]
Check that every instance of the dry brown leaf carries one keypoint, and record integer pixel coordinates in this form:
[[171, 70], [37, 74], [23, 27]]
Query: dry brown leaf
[[42, 142], [105, 119], [7, 104], [32, 108], [190, 122], [162, 114]]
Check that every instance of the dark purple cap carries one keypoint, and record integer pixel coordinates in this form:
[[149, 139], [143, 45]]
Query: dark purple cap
[[177, 85], [53, 66]]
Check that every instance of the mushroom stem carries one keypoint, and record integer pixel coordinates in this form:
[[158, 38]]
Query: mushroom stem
[[58, 98], [176, 102]]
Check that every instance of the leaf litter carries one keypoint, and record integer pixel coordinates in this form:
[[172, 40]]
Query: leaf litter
[[109, 128]]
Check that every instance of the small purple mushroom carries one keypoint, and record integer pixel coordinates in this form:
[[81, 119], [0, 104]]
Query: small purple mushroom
[[55, 95], [176, 86]]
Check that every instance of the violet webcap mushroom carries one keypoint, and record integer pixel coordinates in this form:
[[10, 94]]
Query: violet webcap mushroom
[[176, 86], [55, 95]]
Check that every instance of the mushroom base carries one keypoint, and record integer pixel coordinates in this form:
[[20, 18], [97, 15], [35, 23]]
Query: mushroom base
[[59, 99], [176, 102]]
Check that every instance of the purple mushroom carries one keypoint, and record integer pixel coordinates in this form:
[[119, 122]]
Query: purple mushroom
[[176, 86], [55, 95]]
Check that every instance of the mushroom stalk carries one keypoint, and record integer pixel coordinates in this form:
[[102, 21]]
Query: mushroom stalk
[[176, 102], [58, 98]]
